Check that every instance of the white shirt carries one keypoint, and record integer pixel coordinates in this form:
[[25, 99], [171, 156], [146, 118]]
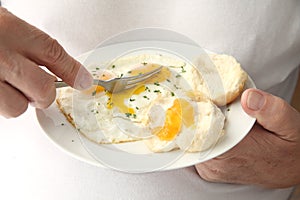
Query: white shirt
[[263, 35]]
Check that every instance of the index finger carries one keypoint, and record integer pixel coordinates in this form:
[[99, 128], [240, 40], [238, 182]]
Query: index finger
[[47, 51], [44, 50]]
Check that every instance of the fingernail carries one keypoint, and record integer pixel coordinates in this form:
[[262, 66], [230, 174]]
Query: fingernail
[[84, 80], [255, 100]]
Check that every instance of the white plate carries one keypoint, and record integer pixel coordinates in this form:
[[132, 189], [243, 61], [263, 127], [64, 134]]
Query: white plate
[[58, 129]]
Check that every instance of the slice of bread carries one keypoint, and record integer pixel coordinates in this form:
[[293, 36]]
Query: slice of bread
[[223, 79]]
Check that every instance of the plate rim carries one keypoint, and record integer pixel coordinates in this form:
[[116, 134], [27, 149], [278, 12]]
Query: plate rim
[[97, 163]]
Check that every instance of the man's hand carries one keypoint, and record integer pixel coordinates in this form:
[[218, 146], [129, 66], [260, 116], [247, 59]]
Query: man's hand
[[22, 49], [269, 155]]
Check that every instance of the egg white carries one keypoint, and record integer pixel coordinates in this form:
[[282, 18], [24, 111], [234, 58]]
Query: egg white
[[89, 112], [204, 133]]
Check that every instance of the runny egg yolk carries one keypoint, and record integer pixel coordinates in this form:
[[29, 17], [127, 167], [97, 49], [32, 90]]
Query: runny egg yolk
[[181, 112], [95, 89], [172, 123]]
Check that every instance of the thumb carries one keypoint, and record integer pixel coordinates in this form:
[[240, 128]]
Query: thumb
[[271, 112]]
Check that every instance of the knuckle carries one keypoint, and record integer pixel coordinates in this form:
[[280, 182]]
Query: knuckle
[[13, 108], [53, 52], [204, 173], [3, 60], [19, 109], [45, 93], [13, 71], [278, 105], [9, 68], [12, 102], [206, 176], [211, 173], [8, 22], [69, 73]]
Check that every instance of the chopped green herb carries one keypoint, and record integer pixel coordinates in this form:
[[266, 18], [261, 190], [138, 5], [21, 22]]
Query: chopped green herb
[[128, 114], [72, 140], [94, 93], [103, 75], [228, 109], [156, 83], [129, 72], [182, 69], [178, 75], [146, 97], [98, 103], [97, 112], [144, 63], [157, 91], [147, 89], [176, 86], [113, 66], [172, 93], [62, 124], [97, 68], [168, 80], [121, 75], [137, 108], [131, 99], [134, 116]]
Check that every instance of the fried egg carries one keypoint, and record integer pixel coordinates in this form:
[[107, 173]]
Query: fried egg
[[184, 124], [160, 111]]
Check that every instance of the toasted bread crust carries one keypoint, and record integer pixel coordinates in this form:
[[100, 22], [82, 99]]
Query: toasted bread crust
[[223, 78]]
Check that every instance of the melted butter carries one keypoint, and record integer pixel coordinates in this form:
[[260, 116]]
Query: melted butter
[[163, 75], [139, 90], [118, 99], [187, 113], [95, 89]]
